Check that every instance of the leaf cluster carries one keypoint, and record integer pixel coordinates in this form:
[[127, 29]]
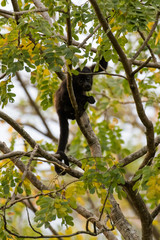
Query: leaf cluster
[[50, 209]]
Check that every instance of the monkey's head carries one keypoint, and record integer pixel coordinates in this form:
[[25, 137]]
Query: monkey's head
[[84, 79]]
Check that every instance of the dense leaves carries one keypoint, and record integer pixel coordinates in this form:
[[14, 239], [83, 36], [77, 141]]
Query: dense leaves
[[35, 55]]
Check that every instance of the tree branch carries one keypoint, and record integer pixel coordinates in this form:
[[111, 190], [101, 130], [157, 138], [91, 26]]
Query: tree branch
[[132, 157], [40, 5], [132, 83], [100, 224], [155, 212], [23, 12], [16, 8], [20, 165], [33, 143], [148, 46], [141, 66], [113, 40], [89, 36], [144, 119], [149, 65], [121, 223], [146, 219]]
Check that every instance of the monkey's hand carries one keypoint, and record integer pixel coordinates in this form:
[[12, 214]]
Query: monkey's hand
[[91, 99]]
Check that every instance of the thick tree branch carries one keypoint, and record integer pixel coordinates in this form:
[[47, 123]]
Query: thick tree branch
[[132, 83], [113, 40], [144, 119], [100, 224], [127, 231], [40, 5], [146, 219], [149, 65], [155, 230], [32, 178], [83, 122], [33, 143], [69, 76]]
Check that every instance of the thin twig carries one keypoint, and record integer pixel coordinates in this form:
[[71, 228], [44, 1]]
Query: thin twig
[[149, 48], [89, 36], [23, 12], [43, 236], [106, 198], [155, 212], [29, 163], [31, 224], [142, 66], [2, 76], [147, 39]]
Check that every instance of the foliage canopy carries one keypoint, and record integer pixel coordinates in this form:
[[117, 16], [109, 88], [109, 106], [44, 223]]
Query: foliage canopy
[[115, 159]]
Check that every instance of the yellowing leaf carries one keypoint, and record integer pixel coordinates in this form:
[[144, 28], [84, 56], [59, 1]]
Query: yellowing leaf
[[80, 200], [80, 237], [157, 77], [157, 38], [10, 129], [2, 83], [111, 126], [40, 141], [138, 79], [79, 56], [38, 177], [155, 223], [112, 21], [115, 120], [68, 231], [10, 213], [2, 200], [46, 191], [152, 181], [58, 205], [152, 69], [150, 24], [70, 191], [46, 72], [99, 39], [115, 28], [79, 23]]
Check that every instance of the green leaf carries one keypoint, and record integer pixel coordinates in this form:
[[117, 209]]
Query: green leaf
[[20, 190], [6, 189]]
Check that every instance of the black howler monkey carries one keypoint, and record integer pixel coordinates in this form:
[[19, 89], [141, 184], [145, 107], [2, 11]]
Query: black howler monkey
[[82, 83]]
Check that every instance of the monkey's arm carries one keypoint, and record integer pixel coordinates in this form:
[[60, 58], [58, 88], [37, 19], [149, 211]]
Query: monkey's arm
[[83, 100], [102, 65], [91, 99]]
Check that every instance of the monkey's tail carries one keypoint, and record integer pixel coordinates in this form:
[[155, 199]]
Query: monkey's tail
[[64, 131]]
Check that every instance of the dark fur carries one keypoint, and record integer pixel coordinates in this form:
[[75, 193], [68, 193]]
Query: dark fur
[[81, 84]]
